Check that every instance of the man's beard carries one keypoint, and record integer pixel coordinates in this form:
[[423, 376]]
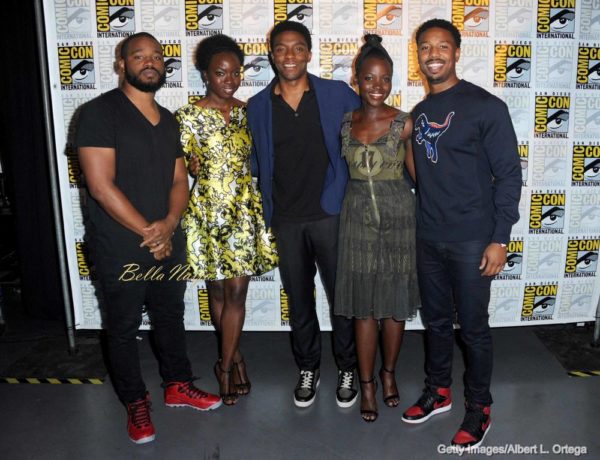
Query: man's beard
[[150, 87]]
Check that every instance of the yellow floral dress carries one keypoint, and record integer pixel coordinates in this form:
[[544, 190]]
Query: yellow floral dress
[[226, 234]]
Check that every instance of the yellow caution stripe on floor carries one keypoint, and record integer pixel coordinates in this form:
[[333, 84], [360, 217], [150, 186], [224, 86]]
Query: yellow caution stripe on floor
[[51, 381], [584, 373]]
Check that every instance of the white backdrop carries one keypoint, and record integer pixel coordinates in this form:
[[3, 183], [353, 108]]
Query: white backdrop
[[542, 58]]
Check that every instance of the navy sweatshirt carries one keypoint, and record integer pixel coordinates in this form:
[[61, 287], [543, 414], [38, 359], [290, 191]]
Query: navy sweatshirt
[[468, 168]]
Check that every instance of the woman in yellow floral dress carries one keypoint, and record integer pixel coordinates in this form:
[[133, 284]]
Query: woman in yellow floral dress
[[227, 241]]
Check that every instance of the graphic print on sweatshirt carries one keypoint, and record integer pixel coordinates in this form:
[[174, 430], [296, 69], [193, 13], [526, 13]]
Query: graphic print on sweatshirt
[[429, 132]]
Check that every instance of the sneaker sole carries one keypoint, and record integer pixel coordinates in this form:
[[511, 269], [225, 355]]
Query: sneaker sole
[[310, 401], [214, 406], [346, 404], [441, 410], [144, 440], [474, 446]]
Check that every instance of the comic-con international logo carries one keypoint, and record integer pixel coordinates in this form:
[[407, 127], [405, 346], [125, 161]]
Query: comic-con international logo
[[294, 10], [555, 18], [547, 212], [172, 55], [539, 302], [513, 268], [512, 65], [203, 305], [256, 69], [552, 115], [160, 16], [72, 18], [582, 257], [284, 308], [115, 18], [585, 170], [588, 67], [83, 266], [248, 17], [73, 167], [76, 67], [383, 17], [203, 17], [589, 20], [471, 17], [335, 59], [514, 18], [523, 149], [415, 77]]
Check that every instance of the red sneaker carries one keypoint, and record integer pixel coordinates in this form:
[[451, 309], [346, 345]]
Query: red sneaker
[[139, 424], [434, 400], [475, 426], [185, 394]]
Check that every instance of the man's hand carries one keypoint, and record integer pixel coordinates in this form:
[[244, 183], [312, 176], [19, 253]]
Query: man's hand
[[194, 165], [158, 233], [162, 251], [493, 260]]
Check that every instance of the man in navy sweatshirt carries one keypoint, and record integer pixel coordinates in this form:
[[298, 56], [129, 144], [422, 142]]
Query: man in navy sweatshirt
[[468, 188]]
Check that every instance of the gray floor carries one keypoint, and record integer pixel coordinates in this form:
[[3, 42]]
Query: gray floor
[[536, 404]]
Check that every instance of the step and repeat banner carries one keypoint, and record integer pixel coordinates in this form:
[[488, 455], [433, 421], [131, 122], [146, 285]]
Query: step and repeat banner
[[542, 57]]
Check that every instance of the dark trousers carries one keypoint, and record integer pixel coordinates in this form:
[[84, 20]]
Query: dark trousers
[[122, 306], [302, 247], [449, 276]]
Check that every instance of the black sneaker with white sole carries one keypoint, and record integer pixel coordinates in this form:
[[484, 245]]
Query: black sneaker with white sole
[[345, 393], [306, 389]]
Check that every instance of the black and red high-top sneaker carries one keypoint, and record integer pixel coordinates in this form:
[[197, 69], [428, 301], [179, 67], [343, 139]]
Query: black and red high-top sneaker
[[434, 400], [475, 426]]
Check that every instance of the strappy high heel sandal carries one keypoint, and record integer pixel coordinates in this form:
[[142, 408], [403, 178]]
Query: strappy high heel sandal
[[390, 400], [224, 378], [240, 378], [368, 415]]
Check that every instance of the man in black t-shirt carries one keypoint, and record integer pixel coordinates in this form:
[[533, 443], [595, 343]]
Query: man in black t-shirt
[[136, 178]]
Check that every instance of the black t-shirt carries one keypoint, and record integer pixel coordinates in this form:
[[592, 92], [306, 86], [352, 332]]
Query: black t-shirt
[[301, 160], [144, 168]]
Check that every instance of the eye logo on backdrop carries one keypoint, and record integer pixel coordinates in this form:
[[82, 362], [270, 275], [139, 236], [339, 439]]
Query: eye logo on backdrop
[[524, 157], [471, 17], [383, 17], [172, 54], [513, 268], [160, 16], [539, 301], [547, 212], [512, 65], [556, 19], [585, 169], [338, 17], [588, 67], [203, 17], [203, 305], [513, 18], [335, 59], [554, 64], [72, 18], [582, 258], [246, 18], [256, 69], [115, 18], [76, 67], [294, 10], [550, 164], [552, 115]]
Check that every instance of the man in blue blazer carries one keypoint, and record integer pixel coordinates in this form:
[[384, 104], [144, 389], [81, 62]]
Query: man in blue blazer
[[295, 124]]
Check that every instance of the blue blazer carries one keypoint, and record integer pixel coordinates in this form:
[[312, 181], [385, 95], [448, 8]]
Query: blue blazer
[[334, 99]]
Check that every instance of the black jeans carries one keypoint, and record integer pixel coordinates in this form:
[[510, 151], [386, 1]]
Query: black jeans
[[449, 275], [302, 247], [122, 306]]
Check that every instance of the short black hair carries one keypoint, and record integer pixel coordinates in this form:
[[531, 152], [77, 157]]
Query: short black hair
[[215, 44], [125, 43], [290, 26], [442, 24], [371, 48]]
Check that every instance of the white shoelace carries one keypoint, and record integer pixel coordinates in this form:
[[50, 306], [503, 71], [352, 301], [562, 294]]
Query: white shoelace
[[347, 378], [307, 379]]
